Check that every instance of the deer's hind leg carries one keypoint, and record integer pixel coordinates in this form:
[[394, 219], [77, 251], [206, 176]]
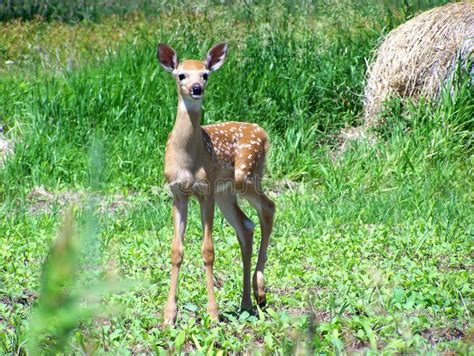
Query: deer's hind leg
[[266, 210], [244, 227]]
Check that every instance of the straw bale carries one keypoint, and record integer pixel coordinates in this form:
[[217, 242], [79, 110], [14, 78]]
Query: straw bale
[[416, 58]]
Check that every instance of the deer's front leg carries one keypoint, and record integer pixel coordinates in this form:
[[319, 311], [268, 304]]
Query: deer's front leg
[[207, 215], [180, 216]]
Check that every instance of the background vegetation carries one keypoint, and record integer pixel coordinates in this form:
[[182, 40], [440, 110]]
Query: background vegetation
[[371, 251]]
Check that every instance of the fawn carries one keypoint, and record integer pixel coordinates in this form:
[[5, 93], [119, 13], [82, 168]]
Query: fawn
[[213, 163]]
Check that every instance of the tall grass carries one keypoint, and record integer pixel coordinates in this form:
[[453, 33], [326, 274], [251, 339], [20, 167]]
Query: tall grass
[[71, 11], [93, 10], [300, 75]]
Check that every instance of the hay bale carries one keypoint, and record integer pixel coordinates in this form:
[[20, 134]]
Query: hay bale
[[417, 57]]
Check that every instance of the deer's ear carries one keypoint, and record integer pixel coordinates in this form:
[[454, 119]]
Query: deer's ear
[[167, 57], [216, 56]]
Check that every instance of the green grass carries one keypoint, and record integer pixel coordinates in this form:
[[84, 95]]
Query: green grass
[[372, 251]]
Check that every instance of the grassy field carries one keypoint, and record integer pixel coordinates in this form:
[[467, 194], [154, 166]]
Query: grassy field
[[371, 251]]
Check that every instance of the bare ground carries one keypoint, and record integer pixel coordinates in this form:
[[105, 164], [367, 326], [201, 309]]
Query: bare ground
[[42, 201]]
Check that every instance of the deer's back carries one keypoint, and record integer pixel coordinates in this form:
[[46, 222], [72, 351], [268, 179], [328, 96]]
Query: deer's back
[[238, 147]]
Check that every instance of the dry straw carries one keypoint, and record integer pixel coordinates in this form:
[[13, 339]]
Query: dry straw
[[416, 58]]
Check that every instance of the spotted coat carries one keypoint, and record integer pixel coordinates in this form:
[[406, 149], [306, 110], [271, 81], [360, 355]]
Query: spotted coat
[[239, 146]]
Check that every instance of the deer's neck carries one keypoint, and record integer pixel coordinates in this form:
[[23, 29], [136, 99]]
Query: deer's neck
[[186, 136]]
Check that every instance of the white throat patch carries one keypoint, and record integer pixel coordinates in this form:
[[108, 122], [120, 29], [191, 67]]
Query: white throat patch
[[190, 105]]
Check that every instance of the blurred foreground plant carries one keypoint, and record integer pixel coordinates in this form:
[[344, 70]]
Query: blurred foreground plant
[[71, 286], [58, 311]]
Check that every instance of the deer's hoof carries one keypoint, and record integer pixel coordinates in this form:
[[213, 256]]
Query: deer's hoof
[[213, 313], [169, 322], [259, 289], [170, 317], [261, 299]]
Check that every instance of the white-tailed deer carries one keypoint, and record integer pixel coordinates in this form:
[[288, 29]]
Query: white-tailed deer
[[213, 163]]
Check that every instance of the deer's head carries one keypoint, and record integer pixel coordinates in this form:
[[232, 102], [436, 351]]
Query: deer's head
[[191, 75]]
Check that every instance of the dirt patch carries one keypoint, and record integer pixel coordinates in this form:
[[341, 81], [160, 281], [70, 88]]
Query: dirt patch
[[278, 188], [349, 135], [355, 346], [26, 298], [282, 291], [437, 335], [117, 203], [445, 266], [42, 201], [469, 336]]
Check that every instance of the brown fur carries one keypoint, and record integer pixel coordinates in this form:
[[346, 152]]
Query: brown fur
[[192, 65]]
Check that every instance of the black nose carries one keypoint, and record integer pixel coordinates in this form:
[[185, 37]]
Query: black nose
[[196, 89]]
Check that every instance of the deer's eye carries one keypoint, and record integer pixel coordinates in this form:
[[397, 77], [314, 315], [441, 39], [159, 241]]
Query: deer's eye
[[181, 77], [205, 76]]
